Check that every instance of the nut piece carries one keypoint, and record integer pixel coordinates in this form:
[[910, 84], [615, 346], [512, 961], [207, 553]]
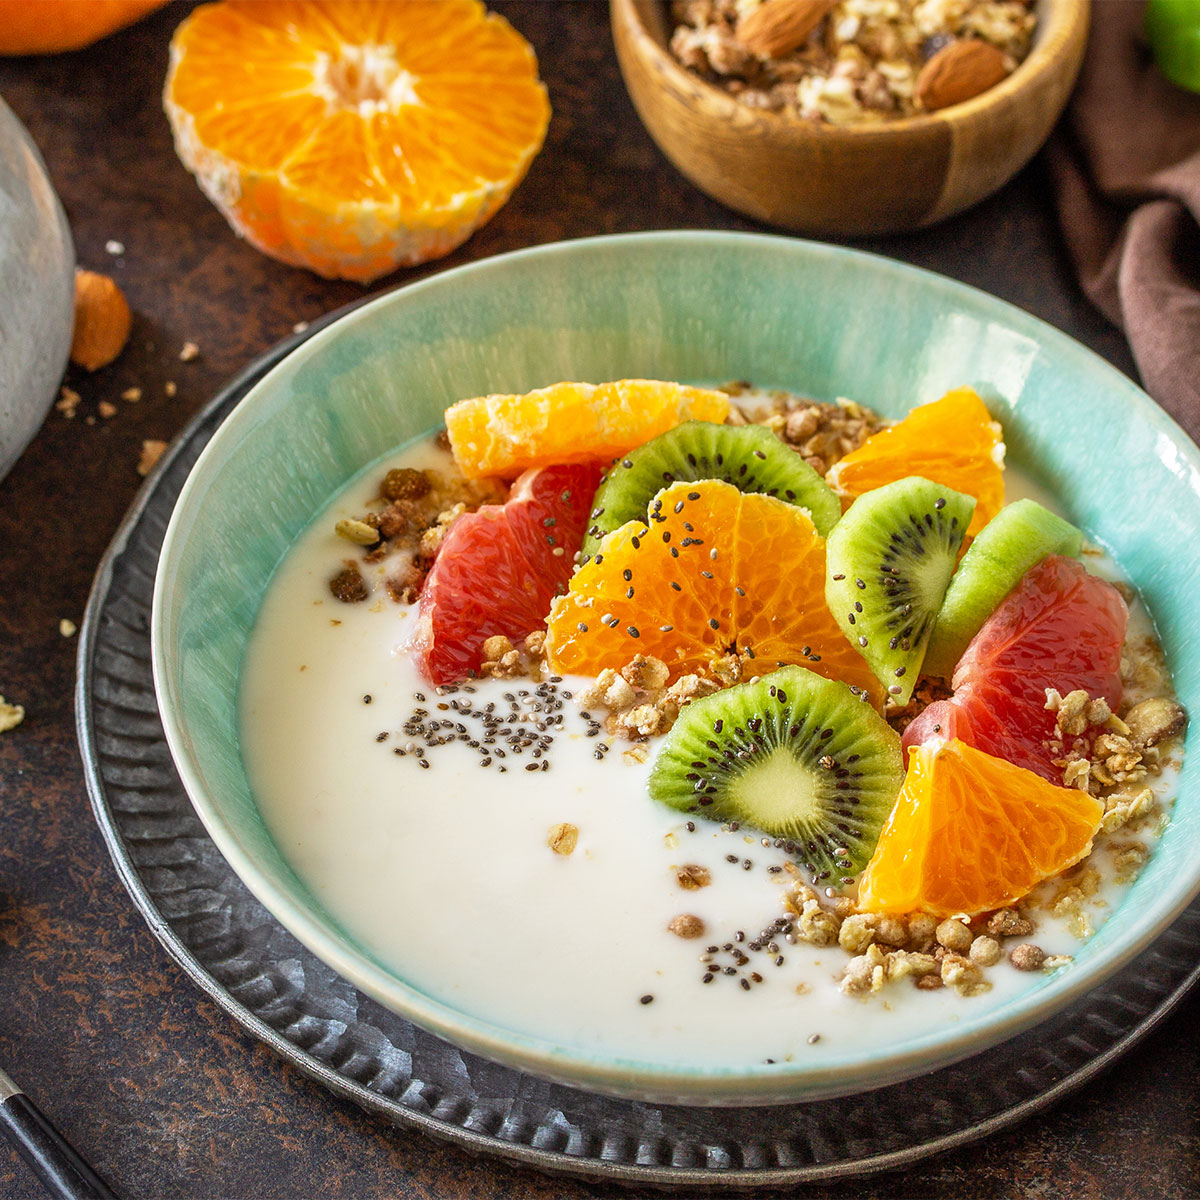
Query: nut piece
[[358, 532], [152, 451], [686, 926], [777, 27], [1027, 957], [692, 876], [102, 320], [563, 837], [963, 69], [955, 936], [1154, 720], [11, 715]]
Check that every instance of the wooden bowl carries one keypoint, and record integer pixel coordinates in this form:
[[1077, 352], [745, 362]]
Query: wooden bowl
[[811, 177]]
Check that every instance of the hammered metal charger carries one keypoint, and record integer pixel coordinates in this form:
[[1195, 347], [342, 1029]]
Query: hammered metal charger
[[237, 953]]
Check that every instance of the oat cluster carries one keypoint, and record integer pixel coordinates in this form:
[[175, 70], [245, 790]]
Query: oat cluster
[[860, 64]]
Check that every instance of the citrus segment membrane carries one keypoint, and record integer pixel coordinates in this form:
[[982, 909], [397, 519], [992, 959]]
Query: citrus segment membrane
[[953, 441], [970, 833], [499, 567], [750, 457], [1060, 628], [889, 561], [710, 573], [571, 422], [1019, 536], [793, 754]]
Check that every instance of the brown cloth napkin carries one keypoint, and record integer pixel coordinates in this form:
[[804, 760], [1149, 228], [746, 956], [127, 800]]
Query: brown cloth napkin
[[1126, 168]]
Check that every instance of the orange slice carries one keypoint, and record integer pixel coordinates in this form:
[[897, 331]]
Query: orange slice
[[354, 137], [35, 27], [971, 833], [571, 422], [952, 441], [714, 571]]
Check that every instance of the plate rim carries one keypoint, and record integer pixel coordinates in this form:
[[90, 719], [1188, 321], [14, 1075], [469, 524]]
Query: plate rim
[[728, 1179]]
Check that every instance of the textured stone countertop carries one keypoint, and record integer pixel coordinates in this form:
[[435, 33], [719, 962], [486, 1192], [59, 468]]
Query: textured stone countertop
[[150, 1080]]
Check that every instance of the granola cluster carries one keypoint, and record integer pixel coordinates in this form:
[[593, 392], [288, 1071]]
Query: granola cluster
[[409, 519], [820, 433], [639, 702], [861, 62], [884, 949]]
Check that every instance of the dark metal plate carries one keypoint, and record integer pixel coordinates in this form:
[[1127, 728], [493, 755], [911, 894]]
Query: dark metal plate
[[274, 988]]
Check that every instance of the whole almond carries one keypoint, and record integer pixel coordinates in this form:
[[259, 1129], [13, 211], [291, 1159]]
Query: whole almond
[[777, 27], [959, 71], [102, 320]]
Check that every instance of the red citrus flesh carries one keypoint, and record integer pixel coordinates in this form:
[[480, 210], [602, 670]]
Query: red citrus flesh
[[1058, 628], [499, 568]]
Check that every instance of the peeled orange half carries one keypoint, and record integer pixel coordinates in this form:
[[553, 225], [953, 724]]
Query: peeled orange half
[[353, 137]]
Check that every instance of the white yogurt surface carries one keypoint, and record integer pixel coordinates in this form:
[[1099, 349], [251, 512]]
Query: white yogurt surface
[[444, 873]]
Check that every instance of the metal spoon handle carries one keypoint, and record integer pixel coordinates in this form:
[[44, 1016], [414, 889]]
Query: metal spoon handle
[[63, 1173]]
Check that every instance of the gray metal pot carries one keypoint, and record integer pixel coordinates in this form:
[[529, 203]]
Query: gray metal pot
[[37, 289]]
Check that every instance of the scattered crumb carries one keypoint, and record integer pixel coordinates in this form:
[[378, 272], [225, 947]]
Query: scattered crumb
[[67, 627], [563, 837], [189, 352], [300, 327], [68, 401], [113, 247], [106, 409], [132, 394], [152, 451], [169, 389], [686, 925], [692, 876], [11, 715]]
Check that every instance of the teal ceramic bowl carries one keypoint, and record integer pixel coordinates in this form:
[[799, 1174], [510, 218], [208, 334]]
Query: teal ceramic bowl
[[696, 307]]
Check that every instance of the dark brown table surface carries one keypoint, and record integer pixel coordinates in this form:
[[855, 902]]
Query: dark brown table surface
[[152, 1082]]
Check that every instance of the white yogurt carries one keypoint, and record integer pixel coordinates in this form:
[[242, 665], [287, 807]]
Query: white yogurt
[[444, 873]]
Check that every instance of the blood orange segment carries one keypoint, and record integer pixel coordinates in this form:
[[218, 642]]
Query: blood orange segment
[[571, 422], [971, 832], [500, 567], [1059, 628], [952, 441], [714, 571]]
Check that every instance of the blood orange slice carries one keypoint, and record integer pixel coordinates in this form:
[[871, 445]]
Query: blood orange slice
[[1058, 628], [499, 568]]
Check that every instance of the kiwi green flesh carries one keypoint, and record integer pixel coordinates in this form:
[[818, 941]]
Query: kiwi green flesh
[[750, 457], [1013, 541], [889, 561], [795, 755]]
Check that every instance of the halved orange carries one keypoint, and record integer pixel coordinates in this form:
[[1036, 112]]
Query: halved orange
[[38, 27], [971, 833], [354, 137], [713, 571], [952, 441], [571, 422]]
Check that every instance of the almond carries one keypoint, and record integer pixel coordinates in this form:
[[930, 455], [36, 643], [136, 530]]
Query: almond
[[777, 27], [963, 69], [102, 320]]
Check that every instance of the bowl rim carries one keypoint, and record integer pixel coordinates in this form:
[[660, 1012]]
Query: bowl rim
[[543, 1057], [1066, 21]]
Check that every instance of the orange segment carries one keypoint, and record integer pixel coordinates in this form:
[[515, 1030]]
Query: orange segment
[[354, 137], [571, 422], [714, 572], [952, 441], [971, 833]]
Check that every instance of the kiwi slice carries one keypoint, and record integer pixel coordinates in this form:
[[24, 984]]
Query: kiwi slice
[[1018, 537], [750, 457], [794, 754], [889, 560]]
